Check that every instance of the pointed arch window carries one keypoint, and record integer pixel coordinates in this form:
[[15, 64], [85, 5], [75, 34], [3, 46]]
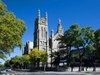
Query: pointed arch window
[[42, 32], [45, 34]]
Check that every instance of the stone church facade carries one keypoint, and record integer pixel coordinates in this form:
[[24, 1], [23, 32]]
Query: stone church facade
[[41, 33], [41, 39]]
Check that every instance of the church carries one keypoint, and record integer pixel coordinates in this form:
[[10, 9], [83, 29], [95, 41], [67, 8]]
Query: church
[[41, 39]]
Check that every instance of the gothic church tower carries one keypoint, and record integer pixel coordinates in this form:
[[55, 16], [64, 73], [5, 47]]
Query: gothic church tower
[[41, 32]]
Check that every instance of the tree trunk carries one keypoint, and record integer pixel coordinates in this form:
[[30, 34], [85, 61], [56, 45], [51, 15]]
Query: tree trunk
[[68, 56], [86, 68], [44, 68], [82, 56], [72, 67], [94, 68], [79, 59]]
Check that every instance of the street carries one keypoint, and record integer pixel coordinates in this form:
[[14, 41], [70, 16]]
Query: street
[[67, 72], [51, 73]]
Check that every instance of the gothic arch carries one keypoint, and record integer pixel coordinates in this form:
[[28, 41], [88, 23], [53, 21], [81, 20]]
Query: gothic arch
[[42, 32]]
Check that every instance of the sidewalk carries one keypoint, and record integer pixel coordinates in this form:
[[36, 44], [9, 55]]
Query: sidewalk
[[66, 72], [90, 69], [57, 73]]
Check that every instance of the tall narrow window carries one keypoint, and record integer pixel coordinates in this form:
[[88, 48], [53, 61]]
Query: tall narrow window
[[45, 33], [42, 32]]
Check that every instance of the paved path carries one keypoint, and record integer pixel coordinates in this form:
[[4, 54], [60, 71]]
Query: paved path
[[8, 73], [67, 72], [57, 73], [89, 72], [53, 73]]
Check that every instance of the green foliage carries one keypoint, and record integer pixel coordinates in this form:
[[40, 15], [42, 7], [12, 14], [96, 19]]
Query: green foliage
[[85, 40], [25, 59], [87, 35], [71, 35], [90, 48], [18, 61], [75, 55], [13, 62], [78, 37], [1, 65], [7, 63], [56, 57], [97, 39], [2, 56], [72, 39], [11, 30], [96, 42], [2, 8], [42, 54], [34, 53]]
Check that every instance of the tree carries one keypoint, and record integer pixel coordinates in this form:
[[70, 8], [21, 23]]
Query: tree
[[38, 56], [2, 8], [96, 46], [97, 43], [72, 39], [1, 65], [25, 59], [33, 56], [11, 30], [86, 37], [81, 39], [2, 56], [7, 63], [77, 41], [16, 62], [43, 57], [90, 55], [34, 53], [59, 57]]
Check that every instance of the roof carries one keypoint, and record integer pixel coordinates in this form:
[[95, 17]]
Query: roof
[[57, 36]]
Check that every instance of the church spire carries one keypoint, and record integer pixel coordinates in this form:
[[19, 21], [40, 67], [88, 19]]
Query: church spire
[[39, 13], [46, 14], [39, 16], [59, 25], [52, 33], [59, 21], [60, 30], [46, 17]]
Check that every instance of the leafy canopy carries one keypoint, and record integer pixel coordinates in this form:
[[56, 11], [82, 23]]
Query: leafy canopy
[[11, 30], [2, 8], [41, 54]]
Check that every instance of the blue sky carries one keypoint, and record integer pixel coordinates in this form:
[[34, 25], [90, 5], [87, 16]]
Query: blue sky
[[82, 12]]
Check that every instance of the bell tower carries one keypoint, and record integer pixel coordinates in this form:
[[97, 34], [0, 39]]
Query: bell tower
[[41, 32]]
